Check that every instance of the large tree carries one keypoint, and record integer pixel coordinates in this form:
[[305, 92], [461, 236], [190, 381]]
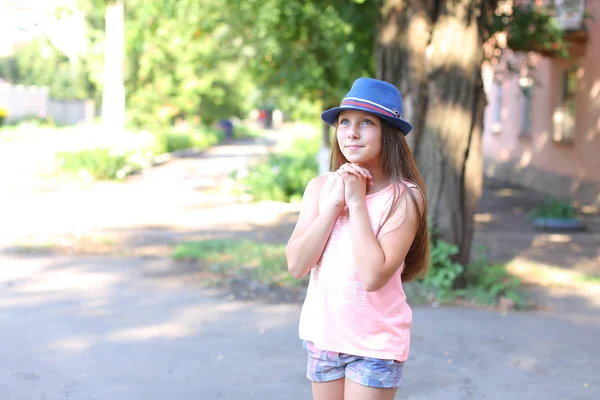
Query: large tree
[[433, 52], [113, 96]]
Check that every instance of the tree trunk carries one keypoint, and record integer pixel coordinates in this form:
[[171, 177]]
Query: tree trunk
[[324, 156], [113, 95], [433, 52]]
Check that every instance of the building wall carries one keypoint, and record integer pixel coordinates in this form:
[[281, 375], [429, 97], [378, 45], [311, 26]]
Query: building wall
[[570, 168]]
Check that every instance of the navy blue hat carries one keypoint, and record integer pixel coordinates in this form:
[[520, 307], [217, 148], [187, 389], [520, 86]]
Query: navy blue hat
[[374, 96]]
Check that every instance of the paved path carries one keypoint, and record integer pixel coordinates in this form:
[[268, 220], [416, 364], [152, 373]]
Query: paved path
[[140, 328], [124, 329]]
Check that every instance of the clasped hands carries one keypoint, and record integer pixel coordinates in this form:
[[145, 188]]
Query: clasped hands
[[345, 187]]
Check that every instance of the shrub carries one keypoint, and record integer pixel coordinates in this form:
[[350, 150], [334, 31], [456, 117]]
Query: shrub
[[100, 163], [485, 282], [443, 271], [284, 176], [553, 208], [132, 152], [173, 140]]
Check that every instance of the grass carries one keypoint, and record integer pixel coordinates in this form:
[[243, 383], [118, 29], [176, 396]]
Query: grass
[[90, 153], [549, 275], [32, 249], [593, 279], [80, 244], [264, 262], [243, 131]]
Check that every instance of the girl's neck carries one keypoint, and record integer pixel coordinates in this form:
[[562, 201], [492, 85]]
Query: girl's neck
[[380, 182]]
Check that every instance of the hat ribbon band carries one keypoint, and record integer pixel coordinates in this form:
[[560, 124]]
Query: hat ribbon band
[[371, 105]]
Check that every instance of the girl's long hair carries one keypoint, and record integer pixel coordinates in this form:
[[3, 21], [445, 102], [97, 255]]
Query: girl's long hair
[[398, 164]]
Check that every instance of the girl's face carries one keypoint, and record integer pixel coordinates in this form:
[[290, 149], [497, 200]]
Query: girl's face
[[359, 138]]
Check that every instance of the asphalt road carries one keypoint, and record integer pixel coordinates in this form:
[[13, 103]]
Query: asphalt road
[[125, 329]]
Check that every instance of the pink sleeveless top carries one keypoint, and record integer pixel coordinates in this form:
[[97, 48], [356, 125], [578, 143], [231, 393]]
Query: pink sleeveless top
[[339, 314]]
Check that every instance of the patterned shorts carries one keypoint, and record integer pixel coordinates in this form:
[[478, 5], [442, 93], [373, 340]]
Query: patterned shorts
[[324, 366]]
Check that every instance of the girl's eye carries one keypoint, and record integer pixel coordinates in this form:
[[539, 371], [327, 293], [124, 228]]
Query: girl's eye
[[368, 122], [344, 121]]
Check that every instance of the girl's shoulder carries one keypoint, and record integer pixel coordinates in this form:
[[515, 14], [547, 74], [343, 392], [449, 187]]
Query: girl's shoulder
[[415, 192], [314, 187], [316, 183]]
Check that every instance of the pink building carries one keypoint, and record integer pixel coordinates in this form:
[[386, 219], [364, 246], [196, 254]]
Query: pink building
[[549, 139]]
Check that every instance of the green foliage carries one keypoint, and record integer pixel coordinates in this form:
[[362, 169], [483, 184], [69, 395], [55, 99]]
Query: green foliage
[[265, 262], [172, 140], [101, 163], [41, 63], [181, 64], [180, 61], [284, 176], [553, 208], [587, 278], [531, 28], [119, 160], [443, 271], [485, 283], [305, 50], [243, 131]]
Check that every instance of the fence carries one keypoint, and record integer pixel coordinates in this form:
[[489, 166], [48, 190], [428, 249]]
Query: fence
[[33, 102], [23, 101], [70, 112]]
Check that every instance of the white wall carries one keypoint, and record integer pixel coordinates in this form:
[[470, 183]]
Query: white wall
[[23, 101], [33, 102]]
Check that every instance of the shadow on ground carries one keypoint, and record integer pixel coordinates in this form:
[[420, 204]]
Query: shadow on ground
[[98, 327]]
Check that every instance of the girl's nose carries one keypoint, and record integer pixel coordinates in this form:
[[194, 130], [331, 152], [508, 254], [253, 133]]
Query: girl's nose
[[353, 132]]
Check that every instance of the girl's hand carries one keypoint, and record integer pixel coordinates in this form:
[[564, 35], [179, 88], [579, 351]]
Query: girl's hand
[[356, 179], [331, 198]]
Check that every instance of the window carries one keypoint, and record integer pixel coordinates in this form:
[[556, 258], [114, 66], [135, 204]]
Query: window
[[497, 109], [564, 114], [526, 84]]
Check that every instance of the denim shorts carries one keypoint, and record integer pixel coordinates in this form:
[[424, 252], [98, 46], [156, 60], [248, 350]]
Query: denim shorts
[[324, 366]]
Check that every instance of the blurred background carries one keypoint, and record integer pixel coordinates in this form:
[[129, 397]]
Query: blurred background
[[153, 156]]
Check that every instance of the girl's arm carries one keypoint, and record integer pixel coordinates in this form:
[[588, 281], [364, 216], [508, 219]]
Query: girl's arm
[[378, 260], [322, 202]]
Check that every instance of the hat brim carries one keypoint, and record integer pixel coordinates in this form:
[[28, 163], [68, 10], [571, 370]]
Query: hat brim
[[330, 116]]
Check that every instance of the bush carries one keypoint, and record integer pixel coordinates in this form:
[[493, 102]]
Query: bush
[[99, 163], [486, 282], [443, 271], [284, 176], [553, 208], [242, 131], [172, 140], [132, 152]]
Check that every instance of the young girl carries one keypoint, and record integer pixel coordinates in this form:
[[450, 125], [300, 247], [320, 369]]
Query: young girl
[[362, 231]]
